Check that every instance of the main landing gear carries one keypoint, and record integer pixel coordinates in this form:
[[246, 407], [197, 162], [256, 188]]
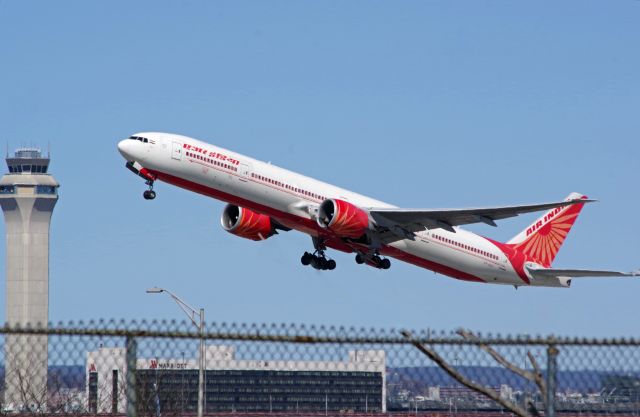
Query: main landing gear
[[318, 260], [374, 261], [149, 194]]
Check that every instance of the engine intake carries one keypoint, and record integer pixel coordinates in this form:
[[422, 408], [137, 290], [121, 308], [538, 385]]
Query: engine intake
[[245, 223], [343, 218]]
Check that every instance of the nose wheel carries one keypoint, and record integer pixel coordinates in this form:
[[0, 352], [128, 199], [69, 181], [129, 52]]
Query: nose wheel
[[149, 194]]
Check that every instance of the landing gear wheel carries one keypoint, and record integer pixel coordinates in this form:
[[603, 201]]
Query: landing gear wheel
[[306, 258], [323, 264], [318, 260], [316, 263], [375, 261], [149, 195], [385, 264]]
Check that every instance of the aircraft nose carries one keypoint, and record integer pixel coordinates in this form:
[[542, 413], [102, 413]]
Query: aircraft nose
[[125, 148]]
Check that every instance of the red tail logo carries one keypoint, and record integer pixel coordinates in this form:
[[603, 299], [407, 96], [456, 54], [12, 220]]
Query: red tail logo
[[544, 237]]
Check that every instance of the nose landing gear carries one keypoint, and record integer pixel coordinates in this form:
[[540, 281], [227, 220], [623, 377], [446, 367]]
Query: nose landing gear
[[149, 178], [149, 194]]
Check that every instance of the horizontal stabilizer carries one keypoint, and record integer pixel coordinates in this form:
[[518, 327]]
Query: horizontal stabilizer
[[577, 273]]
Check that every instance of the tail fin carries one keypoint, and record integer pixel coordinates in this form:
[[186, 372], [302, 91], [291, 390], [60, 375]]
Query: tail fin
[[543, 238]]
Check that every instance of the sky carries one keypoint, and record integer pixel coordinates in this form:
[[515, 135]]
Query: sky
[[425, 104]]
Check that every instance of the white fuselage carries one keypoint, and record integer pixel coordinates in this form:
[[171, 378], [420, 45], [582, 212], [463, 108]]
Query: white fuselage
[[293, 199]]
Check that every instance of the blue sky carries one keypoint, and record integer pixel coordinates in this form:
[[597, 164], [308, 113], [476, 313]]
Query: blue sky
[[420, 104]]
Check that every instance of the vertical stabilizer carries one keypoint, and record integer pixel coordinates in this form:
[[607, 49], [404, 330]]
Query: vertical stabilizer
[[541, 241]]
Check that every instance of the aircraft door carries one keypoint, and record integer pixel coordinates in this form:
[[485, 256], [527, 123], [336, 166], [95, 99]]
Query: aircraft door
[[176, 152], [244, 171]]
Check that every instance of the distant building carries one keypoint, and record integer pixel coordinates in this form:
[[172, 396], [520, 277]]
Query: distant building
[[460, 393], [621, 389], [242, 385], [434, 393], [28, 195], [506, 392]]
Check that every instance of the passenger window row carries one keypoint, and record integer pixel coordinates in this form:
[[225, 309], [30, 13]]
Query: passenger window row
[[288, 187], [466, 247], [212, 161]]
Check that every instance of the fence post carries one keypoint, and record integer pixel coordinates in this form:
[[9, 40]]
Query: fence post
[[131, 357], [552, 375]]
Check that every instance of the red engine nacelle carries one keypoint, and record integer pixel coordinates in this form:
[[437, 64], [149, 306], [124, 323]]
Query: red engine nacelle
[[343, 218], [246, 223]]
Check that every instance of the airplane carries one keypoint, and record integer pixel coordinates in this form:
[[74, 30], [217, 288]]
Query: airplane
[[263, 200]]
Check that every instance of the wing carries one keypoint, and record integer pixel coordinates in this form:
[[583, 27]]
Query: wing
[[414, 220], [577, 273]]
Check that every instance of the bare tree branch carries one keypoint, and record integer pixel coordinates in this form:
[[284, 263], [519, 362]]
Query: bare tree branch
[[528, 375], [538, 378], [496, 356], [489, 393]]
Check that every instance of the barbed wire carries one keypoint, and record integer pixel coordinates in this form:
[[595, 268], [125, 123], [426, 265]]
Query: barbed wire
[[298, 334]]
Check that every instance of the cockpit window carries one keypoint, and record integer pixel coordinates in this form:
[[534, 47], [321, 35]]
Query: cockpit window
[[140, 138]]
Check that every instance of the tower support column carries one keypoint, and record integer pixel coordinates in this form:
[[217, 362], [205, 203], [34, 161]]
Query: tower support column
[[27, 198]]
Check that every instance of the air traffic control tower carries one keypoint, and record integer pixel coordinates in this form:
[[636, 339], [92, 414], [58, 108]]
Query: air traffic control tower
[[28, 195]]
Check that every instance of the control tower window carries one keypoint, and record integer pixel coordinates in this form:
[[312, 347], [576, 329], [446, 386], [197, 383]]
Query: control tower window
[[36, 169], [7, 189], [28, 160], [45, 189]]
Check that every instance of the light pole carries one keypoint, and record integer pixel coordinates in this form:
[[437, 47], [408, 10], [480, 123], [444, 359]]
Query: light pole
[[192, 313], [182, 387]]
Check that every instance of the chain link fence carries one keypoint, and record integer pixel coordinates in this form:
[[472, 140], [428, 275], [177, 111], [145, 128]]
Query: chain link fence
[[170, 369]]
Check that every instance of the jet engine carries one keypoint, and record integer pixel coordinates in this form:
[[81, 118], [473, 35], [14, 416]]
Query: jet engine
[[246, 223], [343, 218]]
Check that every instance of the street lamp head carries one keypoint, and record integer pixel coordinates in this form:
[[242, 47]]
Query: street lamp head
[[154, 290]]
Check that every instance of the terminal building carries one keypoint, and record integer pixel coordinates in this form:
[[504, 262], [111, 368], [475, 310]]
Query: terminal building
[[239, 385]]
